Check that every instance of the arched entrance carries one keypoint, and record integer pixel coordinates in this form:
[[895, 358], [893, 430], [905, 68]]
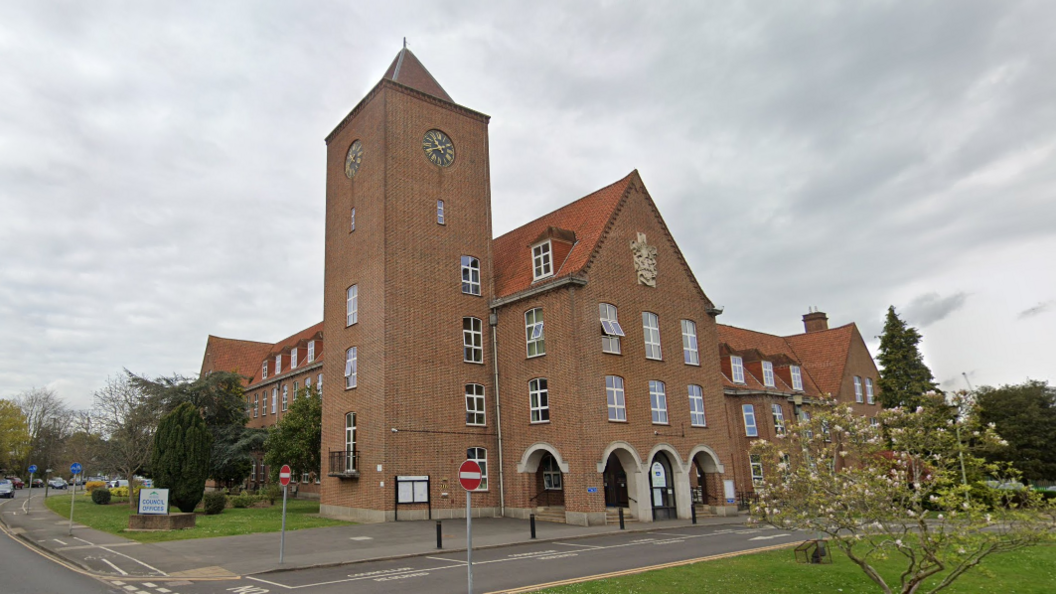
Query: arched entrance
[[549, 482], [706, 479], [615, 479], [662, 487]]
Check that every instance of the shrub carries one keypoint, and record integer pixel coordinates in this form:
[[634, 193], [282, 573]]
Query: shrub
[[119, 491], [242, 501], [273, 492], [93, 485], [101, 496], [180, 460], [215, 502]]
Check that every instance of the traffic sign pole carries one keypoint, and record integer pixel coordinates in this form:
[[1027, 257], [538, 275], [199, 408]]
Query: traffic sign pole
[[469, 476], [75, 468], [29, 500], [284, 478]]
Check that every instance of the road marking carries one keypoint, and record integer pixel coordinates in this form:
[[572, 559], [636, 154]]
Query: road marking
[[149, 585], [572, 544], [116, 568], [154, 569], [59, 541], [448, 560], [131, 588], [362, 538], [772, 536]]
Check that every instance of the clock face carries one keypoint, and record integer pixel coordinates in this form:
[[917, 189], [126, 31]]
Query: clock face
[[353, 159], [438, 148]]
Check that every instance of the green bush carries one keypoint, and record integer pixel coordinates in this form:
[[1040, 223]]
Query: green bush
[[242, 501], [118, 491], [215, 502], [101, 496], [273, 492]]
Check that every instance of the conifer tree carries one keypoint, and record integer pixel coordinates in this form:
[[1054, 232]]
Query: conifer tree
[[905, 378], [180, 461]]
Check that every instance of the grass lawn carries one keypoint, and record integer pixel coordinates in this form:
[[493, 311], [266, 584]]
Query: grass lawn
[[113, 518], [1031, 570]]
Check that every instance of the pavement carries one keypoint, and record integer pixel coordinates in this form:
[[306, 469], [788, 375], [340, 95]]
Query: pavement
[[104, 554]]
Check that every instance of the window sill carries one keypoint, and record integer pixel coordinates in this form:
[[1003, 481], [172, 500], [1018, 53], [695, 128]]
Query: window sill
[[473, 362], [476, 425], [535, 356], [604, 352], [617, 420], [546, 422], [704, 426], [697, 364], [750, 435], [471, 294], [347, 388], [660, 359], [662, 424]]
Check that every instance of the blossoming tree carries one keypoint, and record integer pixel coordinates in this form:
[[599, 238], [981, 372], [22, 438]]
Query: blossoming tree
[[908, 488]]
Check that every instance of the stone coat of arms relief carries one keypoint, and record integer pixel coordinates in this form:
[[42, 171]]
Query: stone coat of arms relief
[[644, 261]]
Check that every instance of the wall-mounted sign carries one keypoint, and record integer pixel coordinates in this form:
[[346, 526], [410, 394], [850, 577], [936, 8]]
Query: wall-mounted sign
[[412, 489], [592, 489], [727, 486], [154, 502]]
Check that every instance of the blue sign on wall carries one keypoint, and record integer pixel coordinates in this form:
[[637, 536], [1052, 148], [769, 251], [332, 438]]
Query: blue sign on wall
[[592, 489], [75, 468], [32, 468]]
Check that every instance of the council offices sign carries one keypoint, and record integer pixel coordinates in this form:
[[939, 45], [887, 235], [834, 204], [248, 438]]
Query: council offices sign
[[154, 502]]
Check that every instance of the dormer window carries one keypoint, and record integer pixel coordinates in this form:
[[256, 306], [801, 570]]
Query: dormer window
[[293, 358], [264, 371], [737, 369], [768, 374], [542, 265], [311, 351], [797, 377], [278, 363]]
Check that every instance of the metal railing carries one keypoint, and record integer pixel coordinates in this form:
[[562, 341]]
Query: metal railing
[[344, 463]]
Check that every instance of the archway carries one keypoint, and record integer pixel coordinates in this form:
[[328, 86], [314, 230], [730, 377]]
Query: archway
[[614, 477], [706, 478], [549, 483], [662, 487]]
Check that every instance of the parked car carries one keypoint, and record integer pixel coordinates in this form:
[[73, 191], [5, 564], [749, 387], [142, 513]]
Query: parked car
[[17, 482], [7, 489], [57, 483], [117, 483], [96, 479], [38, 483], [79, 479]]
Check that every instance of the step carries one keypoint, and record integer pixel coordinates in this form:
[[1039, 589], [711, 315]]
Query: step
[[612, 516]]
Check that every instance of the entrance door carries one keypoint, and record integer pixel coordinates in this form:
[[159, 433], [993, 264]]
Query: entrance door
[[615, 483], [662, 487]]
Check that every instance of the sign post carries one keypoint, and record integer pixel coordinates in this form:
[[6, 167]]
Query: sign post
[[469, 476], [29, 500], [284, 479], [75, 470]]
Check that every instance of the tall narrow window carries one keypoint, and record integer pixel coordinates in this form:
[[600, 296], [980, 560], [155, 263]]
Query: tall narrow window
[[350, 442], [350, 368], [756, 463], [275, 400], [352, 305], [768, 374], [750, 429], [542, 267], [533, 332], [472, 340], [308, 383], [256, 405], [278, 364], [857, 389], [264, 370], [658, 402], [696, 407], [319, 385], [293, 358], [440, 212], [551, 473], [610, 329], [474, 404], [804, 417], [737, 369], [311, 351], [295, 390], [797, 377], [285, 397], [779, 419], [480, 456], [689, 342], [651, 329], [352, 221], [470, 275], [264, 403], [869, 397], [614, 395], [539, 400]]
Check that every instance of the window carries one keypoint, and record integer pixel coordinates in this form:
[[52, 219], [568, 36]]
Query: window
[[610, 329], [804, 417], [295, 390], [768, 374], [440, 212], [737, 369], [293, 358], [750, 428], [614, 395], [651, 328], [311, 351], [351, 371], [308, 383], [696, 407], [256, 405], [275, 400], [285, 397], [319, 384], [474, 404], [658, 402], [539, 400], [875, 422], [253, 471], [352, 227], [472, 340], [857, 389], [541, 265], [551, 474], [779, 419], [350, 441], [869, 398], [797, 377], [689, 342], [470, 275], [533, 332], [264, 370], [480, 456], [278, 364], [352, 305], [304, 478], [757, 469], [264, 403]]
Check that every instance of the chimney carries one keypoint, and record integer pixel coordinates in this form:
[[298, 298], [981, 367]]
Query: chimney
[[815, 321]]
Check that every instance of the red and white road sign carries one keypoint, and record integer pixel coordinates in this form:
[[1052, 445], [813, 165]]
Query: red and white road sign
[[469, 475], [284, 475]]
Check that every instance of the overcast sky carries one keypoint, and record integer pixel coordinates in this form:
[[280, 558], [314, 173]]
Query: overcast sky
[[162, 164]]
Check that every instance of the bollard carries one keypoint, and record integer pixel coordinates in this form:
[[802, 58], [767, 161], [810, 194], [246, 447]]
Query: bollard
[[694, 508], [622, 527], [439, 537], [531, 519]]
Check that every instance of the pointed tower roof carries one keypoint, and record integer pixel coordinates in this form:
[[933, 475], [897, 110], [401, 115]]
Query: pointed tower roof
[[407, 70]]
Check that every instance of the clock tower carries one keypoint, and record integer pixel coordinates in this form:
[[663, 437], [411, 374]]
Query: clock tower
[[409, 388]]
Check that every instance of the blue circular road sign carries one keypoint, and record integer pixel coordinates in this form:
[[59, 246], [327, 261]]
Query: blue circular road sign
[[75, 468], [32, 468]]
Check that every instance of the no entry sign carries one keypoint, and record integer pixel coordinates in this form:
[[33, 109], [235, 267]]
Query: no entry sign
[[284, 475], [469, 475]]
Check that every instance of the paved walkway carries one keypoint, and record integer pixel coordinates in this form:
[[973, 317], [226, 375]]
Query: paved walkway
[[108, 554]]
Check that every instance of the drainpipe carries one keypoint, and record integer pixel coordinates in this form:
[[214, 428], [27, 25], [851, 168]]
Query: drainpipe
[[493, 320]]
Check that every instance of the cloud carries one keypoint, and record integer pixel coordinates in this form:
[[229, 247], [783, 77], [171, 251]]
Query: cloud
[[1037, 310], [929, 308]]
